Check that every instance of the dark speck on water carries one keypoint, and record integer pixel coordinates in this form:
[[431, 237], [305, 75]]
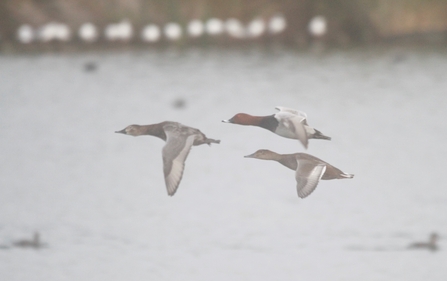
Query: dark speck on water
[[179, 103]]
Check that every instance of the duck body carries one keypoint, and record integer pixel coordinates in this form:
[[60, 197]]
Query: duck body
[[34, 243], [159, 130], [179, 140], [430, 245], [288, 123], [312, 133], [291, 161], [308, 169]]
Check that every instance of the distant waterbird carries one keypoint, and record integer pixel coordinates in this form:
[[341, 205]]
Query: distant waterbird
[[317, 26], [256, 28], [179, 140], [26, 34], [90, 66], [122, 31], [195, 28], [234, 28], [277, 24], [151, 33], [173, 31], [179, 103], [430, 245], [88, 32], [214, 26], [54, 31], [34, 243]]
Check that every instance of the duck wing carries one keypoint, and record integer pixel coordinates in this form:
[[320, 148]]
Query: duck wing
[[308, 176], [174, 154], [293, 111], [291, 126]]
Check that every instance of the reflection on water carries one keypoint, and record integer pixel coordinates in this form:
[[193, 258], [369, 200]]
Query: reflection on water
[[100, 202]]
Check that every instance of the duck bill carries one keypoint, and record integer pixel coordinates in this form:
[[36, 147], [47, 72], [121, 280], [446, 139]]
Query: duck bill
[[228, 121], [123, 131], [250, 156]]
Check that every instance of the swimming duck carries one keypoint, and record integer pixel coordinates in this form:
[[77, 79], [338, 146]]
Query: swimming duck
[[35, 243], [179, 140], [430, 245], [309, 169], [288, 123]]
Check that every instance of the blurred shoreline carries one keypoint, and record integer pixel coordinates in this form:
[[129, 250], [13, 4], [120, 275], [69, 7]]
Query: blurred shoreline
[[400, 43], [346, 23]]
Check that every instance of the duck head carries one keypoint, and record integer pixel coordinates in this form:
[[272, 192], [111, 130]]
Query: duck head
[[434, 237], [133, 130], [264, 154], [241, 119]]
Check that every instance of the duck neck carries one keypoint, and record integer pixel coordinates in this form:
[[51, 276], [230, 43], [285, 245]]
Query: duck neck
[[288, 160], [433, 240], [274, 156], [36, 239], [155, 130], [267, 122]]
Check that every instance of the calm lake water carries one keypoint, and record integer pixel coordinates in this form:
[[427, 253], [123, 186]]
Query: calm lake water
[[98, 198]]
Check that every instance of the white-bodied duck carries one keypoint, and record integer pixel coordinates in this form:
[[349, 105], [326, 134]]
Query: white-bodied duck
[[288, 123]]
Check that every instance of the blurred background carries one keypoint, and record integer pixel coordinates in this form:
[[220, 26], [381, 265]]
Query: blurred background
[[297, 23], [78, 201]]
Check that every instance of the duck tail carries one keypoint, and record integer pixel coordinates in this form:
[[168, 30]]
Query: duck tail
[[347, 176], [210, 141], [319, 135]]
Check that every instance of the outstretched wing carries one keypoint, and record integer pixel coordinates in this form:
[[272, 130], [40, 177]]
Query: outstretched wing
[[307, 177], [293, 111], [174, 155], [293, 127]]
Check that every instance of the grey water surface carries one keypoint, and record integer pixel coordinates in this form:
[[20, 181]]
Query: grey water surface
[[98, 198]]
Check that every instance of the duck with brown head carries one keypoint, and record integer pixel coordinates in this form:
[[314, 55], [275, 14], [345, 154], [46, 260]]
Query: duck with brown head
[[308, 169], [179, 140], [155, 130]]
